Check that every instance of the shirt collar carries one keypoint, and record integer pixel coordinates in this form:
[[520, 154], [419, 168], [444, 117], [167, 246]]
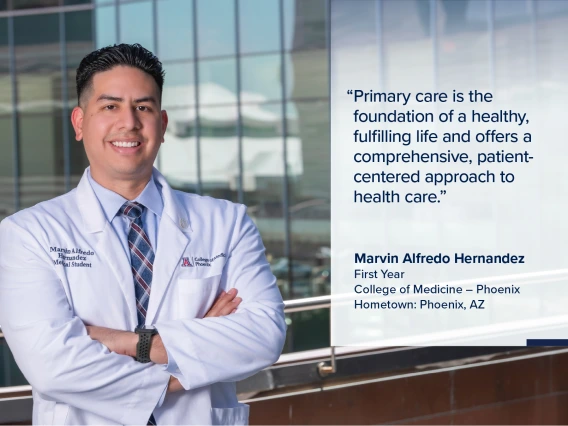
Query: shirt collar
[[111, 202]]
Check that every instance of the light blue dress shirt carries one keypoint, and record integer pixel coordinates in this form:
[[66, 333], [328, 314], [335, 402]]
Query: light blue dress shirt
[[151, 198]]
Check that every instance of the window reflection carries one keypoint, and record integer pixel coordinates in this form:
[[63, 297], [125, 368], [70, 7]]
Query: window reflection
[[72, 2], [219, 151], [78, 37], [259, 17], [175, 29], [106, 26], [307, 29], [217, 81], [178, 160], [301, 335], [30, 4], [6, 141], [216, 27], [38, 62], [136, 24], [308, 70], [38, 75], [179, 85], [309, 199], [260, 77]]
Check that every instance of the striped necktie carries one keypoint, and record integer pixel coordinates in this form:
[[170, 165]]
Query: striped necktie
[[141, 262], [141, 257]]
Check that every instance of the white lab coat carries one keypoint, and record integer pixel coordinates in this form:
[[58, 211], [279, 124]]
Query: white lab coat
[[204, 246]]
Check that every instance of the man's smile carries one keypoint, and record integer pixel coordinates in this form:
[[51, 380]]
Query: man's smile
[[126, 144]]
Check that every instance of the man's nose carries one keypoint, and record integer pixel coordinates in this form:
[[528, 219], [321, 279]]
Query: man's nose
[[128, 119]]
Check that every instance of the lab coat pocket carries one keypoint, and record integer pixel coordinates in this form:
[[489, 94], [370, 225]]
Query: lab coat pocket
[[196, 296], [230, 416]]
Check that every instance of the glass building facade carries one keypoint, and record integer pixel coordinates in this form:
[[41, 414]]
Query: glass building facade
[[247, 93]]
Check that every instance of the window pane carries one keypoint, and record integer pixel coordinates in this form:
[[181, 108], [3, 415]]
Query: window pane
[[38, 62], [106, 26], [308, 25], [289, 23], [307, 74], [6, 165], [69, 2], [263, 172], [6, 140], [260, 78], [175, 29], [136, 24], [178, 155], [217, 81], [307, 330], [78, 33], [38, 67], [179, 89], [259, 22], [219, 151], [78, 38], [308, 148], [216, 30], [29, 4], [41, 151]]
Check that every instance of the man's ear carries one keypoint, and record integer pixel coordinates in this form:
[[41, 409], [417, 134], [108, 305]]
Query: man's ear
[[164, 123], [77, 121]]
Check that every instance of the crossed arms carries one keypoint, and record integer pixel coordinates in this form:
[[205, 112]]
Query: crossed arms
[[124, 342]]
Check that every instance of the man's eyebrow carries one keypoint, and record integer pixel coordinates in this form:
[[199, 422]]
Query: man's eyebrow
[[146, 99], [117, 99], [109, 98]]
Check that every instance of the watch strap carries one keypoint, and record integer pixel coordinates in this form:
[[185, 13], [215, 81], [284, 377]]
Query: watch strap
[[144, 343]]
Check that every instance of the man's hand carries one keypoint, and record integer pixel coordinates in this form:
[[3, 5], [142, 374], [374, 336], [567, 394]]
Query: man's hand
[[226, 304]]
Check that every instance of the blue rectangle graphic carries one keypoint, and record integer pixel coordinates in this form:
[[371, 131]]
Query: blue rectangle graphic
[[547, 342]]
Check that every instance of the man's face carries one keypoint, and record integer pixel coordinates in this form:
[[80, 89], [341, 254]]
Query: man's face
[[121, 124]]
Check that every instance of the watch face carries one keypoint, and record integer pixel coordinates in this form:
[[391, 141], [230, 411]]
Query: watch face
[[145, 328]]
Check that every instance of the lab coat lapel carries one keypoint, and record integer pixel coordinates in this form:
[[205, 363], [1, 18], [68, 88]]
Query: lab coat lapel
[[108, 246], [172, 240]]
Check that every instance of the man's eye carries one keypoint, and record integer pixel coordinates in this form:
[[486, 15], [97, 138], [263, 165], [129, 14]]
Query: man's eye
[[143, 108], [110, 107]]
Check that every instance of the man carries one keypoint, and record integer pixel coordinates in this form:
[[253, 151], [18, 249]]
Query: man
[[118, 299]]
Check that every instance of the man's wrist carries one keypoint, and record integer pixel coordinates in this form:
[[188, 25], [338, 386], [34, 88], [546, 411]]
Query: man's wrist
[[132, 342]]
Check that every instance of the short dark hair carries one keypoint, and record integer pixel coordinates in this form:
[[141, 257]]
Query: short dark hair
[[131, 55]]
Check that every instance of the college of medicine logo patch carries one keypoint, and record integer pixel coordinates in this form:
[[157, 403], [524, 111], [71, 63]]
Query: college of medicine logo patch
[[185, 263]]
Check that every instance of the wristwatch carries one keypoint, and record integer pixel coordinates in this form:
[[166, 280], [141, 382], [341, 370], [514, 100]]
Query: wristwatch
[[145, 334]]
